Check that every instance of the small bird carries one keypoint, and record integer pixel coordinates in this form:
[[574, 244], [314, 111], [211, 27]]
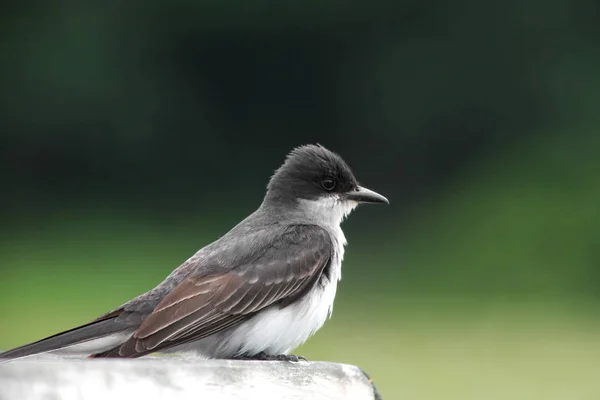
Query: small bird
[[258, 292]]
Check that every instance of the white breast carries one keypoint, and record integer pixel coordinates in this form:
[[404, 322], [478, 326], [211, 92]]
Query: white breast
[[278, 330]]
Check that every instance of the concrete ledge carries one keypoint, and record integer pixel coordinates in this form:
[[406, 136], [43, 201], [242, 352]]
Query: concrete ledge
[[55, 377]]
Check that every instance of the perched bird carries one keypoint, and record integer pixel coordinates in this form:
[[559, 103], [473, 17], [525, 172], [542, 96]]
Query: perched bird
[[258, 292]]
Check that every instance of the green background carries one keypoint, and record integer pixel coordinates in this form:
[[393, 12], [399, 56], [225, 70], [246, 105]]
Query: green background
[[132, 135]]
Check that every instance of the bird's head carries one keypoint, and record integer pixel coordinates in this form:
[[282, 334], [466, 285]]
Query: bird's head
[[318, 182]]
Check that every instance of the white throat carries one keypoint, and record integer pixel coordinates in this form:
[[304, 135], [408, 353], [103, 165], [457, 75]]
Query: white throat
[[328, 210]]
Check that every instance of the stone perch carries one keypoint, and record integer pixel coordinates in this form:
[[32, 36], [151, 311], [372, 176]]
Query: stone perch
[[65, 378]]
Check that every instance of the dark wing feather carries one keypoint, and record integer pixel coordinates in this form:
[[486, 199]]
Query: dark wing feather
[[205, 304]]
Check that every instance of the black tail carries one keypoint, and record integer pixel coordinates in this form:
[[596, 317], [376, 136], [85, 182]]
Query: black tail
[[94, 330]]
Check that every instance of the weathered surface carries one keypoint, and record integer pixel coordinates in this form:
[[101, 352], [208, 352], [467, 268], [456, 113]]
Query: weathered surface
[[52, 377]]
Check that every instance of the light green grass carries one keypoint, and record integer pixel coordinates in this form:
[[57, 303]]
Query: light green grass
[[516, 351]]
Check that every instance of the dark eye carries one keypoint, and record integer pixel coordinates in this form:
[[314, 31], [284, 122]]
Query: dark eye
[[328, 184]]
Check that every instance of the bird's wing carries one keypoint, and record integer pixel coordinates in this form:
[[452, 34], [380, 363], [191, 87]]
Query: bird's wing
[[205, 304]]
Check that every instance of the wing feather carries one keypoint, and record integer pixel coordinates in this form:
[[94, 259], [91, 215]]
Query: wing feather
[[202, 305]]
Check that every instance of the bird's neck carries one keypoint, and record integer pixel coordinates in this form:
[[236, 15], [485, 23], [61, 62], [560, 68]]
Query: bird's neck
[[328, 211]]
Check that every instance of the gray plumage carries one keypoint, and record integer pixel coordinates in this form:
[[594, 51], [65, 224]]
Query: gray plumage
[[265, 286]]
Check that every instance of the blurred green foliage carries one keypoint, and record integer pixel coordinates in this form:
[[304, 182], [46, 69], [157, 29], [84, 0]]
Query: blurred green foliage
[[132, 136]]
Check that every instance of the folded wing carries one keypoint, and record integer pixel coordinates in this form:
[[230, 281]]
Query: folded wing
[[204, 304]]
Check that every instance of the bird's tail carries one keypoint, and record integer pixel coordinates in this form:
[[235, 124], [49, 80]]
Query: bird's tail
[[98, 329]]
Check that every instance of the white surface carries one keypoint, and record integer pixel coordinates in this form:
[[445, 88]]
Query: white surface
[[51, 377]]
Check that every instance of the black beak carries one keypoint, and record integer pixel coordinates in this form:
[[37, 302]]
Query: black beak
[[364, 195]]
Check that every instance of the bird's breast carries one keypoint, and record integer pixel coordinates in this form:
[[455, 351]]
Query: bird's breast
[[276, 330], [280, 330]]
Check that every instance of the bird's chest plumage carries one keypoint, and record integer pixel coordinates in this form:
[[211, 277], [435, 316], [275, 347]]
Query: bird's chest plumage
[[279, 330]]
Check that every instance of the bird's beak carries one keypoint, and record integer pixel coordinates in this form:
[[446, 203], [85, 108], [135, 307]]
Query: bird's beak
[[364, 195]]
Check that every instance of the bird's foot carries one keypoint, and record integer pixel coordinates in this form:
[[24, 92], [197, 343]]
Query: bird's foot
[[262, 356]]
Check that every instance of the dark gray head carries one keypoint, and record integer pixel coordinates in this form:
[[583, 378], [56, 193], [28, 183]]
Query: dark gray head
[[312, 173]]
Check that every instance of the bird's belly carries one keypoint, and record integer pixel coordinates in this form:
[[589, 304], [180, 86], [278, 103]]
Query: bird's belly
[[280, 330], [274, 330]]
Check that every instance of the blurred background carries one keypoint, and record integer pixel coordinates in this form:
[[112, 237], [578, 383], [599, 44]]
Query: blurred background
[[132, 135]]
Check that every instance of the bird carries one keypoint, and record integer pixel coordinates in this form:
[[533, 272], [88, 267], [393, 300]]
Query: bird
[[256, 293]]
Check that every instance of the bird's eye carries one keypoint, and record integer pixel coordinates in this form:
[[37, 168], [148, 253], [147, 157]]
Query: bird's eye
[[328, 184]]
